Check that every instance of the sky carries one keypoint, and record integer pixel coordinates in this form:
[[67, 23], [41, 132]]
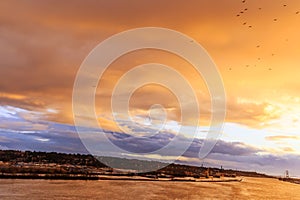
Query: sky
[[254, 44]]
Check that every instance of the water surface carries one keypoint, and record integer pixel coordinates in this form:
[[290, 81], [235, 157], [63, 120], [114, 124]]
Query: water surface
[[250, 188]]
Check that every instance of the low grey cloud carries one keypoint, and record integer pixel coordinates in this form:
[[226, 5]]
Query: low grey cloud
[[24, 134]]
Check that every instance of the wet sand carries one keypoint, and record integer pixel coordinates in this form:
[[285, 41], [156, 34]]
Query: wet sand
[[249, 188]]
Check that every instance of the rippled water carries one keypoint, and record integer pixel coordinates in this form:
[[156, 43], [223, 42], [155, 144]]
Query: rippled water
[[250, 188]]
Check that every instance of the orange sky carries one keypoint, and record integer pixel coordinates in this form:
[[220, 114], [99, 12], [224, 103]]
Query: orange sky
[[43, 44]]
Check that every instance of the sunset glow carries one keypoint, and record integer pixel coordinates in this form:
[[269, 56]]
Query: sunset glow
[[255, 45]]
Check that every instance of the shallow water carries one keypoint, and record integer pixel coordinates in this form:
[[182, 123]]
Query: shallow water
[[250, 188]]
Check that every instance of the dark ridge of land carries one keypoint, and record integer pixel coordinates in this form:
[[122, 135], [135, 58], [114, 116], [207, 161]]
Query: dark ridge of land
[[53, 165], [291, 180]]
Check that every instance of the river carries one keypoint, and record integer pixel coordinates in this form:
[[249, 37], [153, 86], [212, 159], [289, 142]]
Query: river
[[249, 188]]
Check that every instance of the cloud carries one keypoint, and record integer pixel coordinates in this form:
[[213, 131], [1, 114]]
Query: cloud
[[50, 40], [60, 140], [282, 137], [64, 138], [3, 147], [252, 112], [288, 149]]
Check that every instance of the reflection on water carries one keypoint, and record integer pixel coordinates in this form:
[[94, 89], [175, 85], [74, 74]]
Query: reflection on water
[[250, 188]]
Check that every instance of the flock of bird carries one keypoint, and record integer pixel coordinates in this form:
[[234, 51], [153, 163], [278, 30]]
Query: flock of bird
[[243, 11]]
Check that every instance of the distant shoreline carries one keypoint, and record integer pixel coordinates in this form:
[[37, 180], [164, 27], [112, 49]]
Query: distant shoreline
[[47, 176], [109, 177], [291, 180], [60, 166]]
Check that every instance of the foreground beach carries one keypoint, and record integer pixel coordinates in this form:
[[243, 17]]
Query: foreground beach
[[249, 188]]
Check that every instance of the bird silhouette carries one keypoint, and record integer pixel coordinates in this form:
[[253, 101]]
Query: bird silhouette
[[241, 14]]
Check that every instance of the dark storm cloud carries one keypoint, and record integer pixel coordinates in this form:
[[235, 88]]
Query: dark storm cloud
[[222, 147]]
